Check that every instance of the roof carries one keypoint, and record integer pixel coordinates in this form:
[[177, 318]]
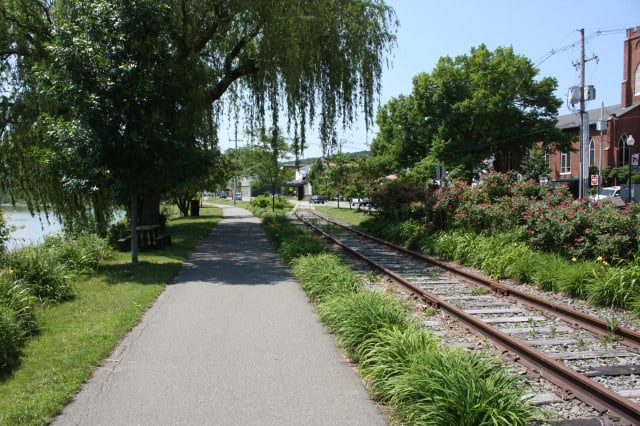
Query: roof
[[570, 121]]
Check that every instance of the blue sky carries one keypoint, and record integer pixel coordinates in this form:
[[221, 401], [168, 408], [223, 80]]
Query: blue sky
[[430, 29]]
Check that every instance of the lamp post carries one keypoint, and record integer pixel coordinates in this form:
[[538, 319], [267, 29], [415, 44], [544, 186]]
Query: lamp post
[[630, 142]]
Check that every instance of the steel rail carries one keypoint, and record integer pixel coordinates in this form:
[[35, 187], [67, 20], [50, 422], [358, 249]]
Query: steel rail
[[626, 336], [572, 382]]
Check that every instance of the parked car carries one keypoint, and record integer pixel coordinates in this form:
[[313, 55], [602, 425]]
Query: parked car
[[317, 199], [360, 202], [238, 195], [607, 192], [223, 195]]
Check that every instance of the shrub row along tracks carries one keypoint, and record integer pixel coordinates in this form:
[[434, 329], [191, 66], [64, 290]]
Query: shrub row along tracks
[[586, 357]]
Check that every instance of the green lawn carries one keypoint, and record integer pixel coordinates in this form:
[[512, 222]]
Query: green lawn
[[227, 202], [353, 217], [75, 336]]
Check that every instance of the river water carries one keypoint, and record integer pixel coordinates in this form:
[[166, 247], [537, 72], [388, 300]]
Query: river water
[[31, 229]]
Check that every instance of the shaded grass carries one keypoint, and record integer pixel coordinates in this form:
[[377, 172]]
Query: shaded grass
[[77, 335]]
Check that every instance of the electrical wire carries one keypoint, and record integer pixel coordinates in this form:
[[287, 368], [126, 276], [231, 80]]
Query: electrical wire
[[598, 33]]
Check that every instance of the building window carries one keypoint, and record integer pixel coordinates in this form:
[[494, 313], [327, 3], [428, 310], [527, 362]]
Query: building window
[[565, 163], [592, 153], [637, 85], [624, 150]]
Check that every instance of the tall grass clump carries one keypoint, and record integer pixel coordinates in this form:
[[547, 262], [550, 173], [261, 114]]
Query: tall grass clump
[[522, 263], [545, 271], [17, 297], [11, 336], [42, 272], [48, 270], [574, 280], [454, 245], [80, 253], [264, 204], [290, 240], [324, 275], [615, 287], [392, 353], [356, 318], [451, 386], [492, 254]]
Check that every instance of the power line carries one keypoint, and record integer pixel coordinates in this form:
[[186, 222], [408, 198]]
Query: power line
[[598, 33]]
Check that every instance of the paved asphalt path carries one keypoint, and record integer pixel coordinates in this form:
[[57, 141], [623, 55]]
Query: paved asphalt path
[[231, 341]]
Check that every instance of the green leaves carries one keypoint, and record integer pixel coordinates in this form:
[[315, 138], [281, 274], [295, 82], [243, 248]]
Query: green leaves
[[468, 108]]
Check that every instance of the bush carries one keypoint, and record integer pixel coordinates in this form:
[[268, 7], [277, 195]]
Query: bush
[[579, 229], [615, 286], [546, 272], [11, 336], [455, 387], [267, 202], [454, 245], [574, 280], [118, 230], [41, 272], [5, 232], [356, 318], [80, 254], [391, 353], [324, 275], [17, 297], [402, 199], [290, 240]]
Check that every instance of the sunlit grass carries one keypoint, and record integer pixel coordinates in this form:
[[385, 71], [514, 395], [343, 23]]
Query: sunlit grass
[[353, 217], [77, 335]]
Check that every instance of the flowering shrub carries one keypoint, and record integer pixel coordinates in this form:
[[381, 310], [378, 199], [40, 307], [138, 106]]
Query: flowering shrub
[[578, 229], [548, 218], [402, 199], [446, 201]]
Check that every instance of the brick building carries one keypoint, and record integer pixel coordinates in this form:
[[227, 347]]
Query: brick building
[[623, 120]]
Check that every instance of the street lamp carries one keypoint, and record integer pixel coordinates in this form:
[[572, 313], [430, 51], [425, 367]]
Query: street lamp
[[630, 142]]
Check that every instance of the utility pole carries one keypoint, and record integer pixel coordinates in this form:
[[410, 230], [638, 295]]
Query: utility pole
[[235, 169], [584, 124], [602, 125]]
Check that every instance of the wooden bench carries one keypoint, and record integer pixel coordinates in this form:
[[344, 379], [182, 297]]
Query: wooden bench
[[149, 237]]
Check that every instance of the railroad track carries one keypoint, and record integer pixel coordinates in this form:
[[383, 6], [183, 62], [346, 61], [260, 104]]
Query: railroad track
[[587, 358]]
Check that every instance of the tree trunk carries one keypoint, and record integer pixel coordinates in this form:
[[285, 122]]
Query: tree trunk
[[183, 203], [134, 233], [149, 209]]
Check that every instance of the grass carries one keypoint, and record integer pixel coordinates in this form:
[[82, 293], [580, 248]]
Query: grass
[[353, 217], [323, 276], [77, 335], [501, 255], [406, 367]]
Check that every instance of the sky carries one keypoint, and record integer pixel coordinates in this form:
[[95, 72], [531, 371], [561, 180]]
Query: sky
[[544, 31]]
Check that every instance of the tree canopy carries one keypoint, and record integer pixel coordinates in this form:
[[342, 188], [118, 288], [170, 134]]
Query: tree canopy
[[469, 108], [102, 96]]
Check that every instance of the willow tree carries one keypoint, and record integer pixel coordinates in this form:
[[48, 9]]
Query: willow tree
[[125, 88]]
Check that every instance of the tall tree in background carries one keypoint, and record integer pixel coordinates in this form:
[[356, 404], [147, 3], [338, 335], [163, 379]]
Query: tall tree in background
[[467, 109], [263, 161], [113, 94], [485, 103], [403, 135]]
